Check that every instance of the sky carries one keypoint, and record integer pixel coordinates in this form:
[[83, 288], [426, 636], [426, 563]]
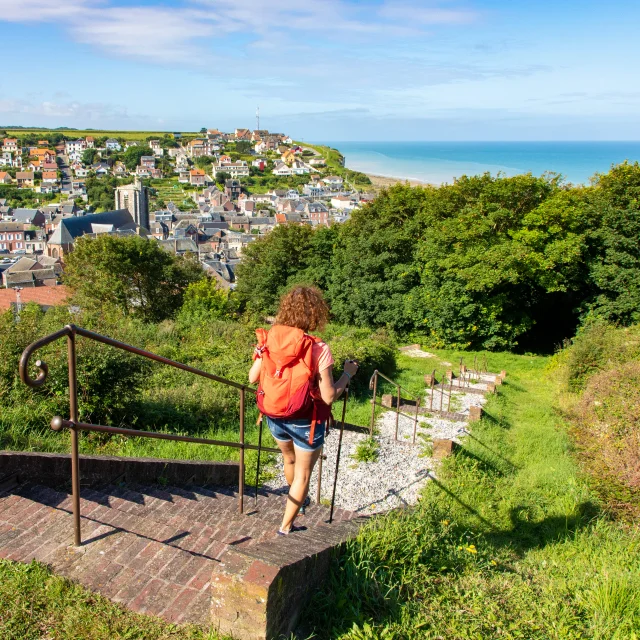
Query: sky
[[327, 69]]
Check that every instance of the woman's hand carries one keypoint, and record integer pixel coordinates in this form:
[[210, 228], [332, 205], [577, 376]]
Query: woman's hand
[[350, 367]]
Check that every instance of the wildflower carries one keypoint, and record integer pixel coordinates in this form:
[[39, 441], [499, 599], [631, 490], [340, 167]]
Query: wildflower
[[444, 523], [459, 548], [472, 549], [493, 563]]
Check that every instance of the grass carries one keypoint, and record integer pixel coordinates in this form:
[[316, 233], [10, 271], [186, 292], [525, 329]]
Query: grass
[[366, 451], [96, 133], [509, 542], [35, 604]]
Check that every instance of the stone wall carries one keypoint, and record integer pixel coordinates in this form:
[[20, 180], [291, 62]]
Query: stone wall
[[54, 469]]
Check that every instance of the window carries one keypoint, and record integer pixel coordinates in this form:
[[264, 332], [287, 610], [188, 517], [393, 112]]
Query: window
[[18, 245], [1, 236], [10, 236]]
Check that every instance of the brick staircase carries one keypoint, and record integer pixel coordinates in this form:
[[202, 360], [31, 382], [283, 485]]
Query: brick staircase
[[151, 548]]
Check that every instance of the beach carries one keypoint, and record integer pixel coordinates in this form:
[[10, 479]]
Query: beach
[[380, 182]]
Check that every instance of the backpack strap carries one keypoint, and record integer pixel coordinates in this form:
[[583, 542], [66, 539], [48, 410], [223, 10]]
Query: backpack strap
[[314, 420]]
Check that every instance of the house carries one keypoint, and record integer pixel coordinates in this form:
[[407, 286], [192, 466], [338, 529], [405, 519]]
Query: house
[[44, 155], [156, 174], [35, 240], [112, 145], [79, 171], [196, 177], [260, 164], [281, 169], [24, 178], [68, 229], [198, 148], [90, 142], [299, 168], [238, 169], [11, 236], [148, 162], [242, 134], [341, 202], [159, 230], [75, 156], [5, 178], [312, 191], [10, 144], [75, 145], [119, 169], [49, 166], [154, 145], [318, 161], [333, 182], [143, 172], [49, 177], [184, 177], [258, 134], [232, 188], [78, 187], [34, 165], [101, 169]]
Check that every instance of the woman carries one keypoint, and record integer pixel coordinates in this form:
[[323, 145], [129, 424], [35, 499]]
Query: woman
[[300, 439]]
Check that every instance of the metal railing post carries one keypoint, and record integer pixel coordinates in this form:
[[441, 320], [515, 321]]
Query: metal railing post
[[433, 382], [442, 391], [398, 413], [415, 422], [335, 477], [241, 466], [319, 489], [73, 414], [450, 393], [373, 402], [258, 463]]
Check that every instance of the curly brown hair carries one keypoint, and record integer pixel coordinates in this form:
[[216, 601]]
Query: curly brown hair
[[303, 307]]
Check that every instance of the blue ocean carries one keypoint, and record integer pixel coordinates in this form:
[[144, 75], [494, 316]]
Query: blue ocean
[[440, 162]]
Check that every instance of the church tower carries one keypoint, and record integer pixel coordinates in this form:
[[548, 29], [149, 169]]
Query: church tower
[[135, 198]]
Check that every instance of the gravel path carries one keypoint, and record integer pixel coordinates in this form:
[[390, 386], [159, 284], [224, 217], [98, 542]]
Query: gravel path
[[396, 478]]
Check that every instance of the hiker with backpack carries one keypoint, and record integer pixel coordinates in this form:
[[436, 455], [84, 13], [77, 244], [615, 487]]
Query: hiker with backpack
[[296, 389]]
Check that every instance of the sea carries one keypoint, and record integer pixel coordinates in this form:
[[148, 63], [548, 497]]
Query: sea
[[442, 162]]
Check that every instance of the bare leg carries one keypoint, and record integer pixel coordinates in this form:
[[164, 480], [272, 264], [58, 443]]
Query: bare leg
[[289, 457], [304, 462]]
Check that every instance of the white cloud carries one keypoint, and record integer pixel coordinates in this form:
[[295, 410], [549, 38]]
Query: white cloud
[[86, 112], [165, 33]]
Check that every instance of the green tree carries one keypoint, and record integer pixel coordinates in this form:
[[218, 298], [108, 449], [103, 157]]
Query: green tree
[[205, 300], [269, 263], [131, 157], [615, 266], [132, 274], [244, 147], [88, 156]]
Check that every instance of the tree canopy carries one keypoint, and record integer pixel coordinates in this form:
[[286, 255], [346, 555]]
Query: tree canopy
[[130, 274], [489, 262]]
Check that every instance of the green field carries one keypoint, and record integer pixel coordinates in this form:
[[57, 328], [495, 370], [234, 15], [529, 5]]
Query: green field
[[96, 133], [170, 190]]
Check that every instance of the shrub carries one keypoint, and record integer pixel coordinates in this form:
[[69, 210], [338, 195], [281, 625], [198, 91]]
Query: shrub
[[607, 431]]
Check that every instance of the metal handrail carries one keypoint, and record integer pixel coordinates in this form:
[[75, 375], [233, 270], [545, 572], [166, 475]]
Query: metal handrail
[[373, 385], [70, 331]]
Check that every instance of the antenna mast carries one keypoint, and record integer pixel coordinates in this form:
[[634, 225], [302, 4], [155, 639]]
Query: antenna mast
[[258, 118]]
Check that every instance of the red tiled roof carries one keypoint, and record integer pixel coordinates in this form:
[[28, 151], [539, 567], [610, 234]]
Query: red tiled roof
[[46, 296]]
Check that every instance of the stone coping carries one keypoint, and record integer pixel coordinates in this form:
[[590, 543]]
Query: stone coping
[[258, 593], [54, 469]]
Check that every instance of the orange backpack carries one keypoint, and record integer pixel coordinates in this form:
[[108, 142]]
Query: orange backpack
[[286, 388]]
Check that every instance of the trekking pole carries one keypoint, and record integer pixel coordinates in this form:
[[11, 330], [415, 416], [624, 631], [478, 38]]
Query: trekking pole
[[335, 477], [258, 464]]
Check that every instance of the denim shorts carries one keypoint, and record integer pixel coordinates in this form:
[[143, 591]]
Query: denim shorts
[[288, 429]]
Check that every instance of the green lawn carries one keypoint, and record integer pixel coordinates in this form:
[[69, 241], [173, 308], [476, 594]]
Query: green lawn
[[509, 542], [83, 133], [35, 604]]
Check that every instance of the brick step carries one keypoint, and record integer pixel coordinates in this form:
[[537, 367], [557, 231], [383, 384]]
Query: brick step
[[153, 549]]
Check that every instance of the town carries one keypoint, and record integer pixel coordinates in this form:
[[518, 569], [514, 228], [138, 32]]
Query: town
[[208, 194]]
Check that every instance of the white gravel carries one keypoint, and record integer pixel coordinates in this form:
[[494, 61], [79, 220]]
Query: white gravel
[[396, 478]]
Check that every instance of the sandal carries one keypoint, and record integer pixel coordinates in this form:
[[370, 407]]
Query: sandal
[[292, 530]]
